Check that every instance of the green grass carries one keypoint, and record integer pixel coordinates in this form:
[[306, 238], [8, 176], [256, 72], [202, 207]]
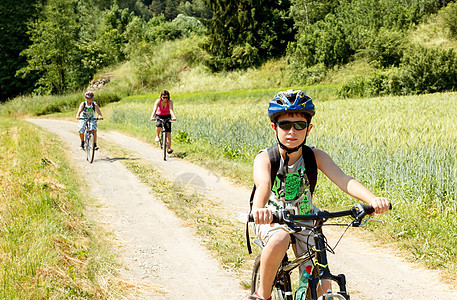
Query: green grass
[[47, 247]]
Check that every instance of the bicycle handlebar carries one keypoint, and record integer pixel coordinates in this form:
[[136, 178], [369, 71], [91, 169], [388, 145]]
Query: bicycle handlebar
[[358, 212], [90, 118]]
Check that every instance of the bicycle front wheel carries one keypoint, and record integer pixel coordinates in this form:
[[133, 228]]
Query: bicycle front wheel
[[164, 138], [281, 289], [90, 147]]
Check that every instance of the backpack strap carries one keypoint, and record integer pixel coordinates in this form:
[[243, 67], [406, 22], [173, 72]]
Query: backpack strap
[[310, 166]]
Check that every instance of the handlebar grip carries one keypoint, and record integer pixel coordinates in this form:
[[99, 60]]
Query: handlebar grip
[[276, 218], [369, 209]]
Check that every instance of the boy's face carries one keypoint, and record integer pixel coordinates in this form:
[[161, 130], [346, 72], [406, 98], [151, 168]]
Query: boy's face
[[292, 137]]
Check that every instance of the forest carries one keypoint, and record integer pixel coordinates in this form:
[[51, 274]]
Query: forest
[[56, 46]]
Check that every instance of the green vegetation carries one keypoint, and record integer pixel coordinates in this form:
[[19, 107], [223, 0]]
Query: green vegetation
[[70, 41], [48, 248]]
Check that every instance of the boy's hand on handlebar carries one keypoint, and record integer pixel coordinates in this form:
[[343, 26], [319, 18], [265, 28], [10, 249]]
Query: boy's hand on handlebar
[[380, 205], [262, 216]]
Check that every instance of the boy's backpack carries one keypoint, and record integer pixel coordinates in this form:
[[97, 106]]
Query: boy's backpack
[[275, 158]]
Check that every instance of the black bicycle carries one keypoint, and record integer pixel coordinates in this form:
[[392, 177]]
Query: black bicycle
[[163, 136], [89, 139], [282, 287]]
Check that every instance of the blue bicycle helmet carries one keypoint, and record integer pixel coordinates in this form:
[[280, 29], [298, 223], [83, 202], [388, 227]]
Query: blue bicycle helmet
[[290, 101]]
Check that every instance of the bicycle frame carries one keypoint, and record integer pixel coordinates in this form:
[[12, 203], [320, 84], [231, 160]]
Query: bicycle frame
[[319, 253]]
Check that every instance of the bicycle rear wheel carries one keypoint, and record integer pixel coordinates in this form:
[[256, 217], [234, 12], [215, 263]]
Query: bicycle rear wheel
[[281, 287], [90, 147], [164, 138]]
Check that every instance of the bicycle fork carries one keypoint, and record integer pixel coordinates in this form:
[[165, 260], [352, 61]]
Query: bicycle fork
[[324, 272]]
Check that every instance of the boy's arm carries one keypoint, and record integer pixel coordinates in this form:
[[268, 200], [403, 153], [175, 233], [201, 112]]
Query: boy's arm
[[97, 109], [262, 180], [348, 184], [153, 115], [80, 109]]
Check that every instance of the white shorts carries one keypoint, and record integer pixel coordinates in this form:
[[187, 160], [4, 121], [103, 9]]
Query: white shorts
[[304, 240]]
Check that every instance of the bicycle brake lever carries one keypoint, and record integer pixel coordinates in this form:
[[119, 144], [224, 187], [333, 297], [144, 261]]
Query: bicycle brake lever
[[364, 222]]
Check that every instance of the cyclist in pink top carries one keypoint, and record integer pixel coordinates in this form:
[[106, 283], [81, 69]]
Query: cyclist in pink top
[[163, 110]]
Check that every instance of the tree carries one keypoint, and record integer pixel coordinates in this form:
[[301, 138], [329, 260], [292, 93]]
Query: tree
[[246, 33], [14, 15], [54, 39]]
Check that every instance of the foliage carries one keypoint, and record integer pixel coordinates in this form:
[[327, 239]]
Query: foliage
[[163, 63], [13, 39], [332, 32], [384, 48], [427, 70], [309, 12], [112, 38], [422, 70], [246, 33], [323, 42], [195, 8], [449, 15], [54, 42]]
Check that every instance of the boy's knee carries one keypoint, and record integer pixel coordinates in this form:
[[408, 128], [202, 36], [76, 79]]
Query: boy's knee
[[280, 240]]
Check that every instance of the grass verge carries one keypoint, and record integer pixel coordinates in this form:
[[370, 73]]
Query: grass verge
[[48, 249]]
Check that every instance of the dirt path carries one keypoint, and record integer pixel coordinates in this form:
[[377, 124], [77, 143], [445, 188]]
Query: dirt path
[[159, 252]]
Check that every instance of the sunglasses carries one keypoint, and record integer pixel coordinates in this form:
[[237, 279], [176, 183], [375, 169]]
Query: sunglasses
[[287, 125], [165, 97]]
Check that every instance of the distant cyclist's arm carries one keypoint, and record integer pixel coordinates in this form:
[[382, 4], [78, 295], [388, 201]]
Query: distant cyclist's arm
[[81, 106], [97, 109], [172, 112], [153, 115], [262, 180], [347, 183]]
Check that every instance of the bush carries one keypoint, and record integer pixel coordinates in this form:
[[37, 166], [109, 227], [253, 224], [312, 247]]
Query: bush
[[384, 48], [377, 84], [322, 42], [449, 15], [428, 70]]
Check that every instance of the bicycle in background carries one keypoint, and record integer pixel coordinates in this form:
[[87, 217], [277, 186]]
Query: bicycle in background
[[318, 254], [163, 136], [89, 139]]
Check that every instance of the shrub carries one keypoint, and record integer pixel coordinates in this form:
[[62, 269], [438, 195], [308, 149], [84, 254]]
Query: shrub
[[428, 70], [449, 15], [322, 42], [384, 48]]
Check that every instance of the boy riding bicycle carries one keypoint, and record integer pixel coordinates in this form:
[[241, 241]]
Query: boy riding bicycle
[[87, 110], [290, 113], [162, 112]]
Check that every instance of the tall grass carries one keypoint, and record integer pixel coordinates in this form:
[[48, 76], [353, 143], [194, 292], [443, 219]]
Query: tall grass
[[47, 249], [45, 105], [400, 147]]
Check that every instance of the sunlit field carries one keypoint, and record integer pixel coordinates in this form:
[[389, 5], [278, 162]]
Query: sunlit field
[[400, 147]]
